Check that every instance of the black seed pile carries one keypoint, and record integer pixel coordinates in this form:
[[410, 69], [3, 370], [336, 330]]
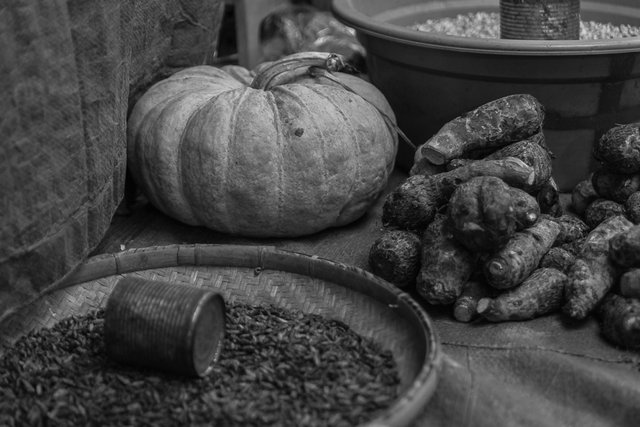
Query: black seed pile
[[277, 367]]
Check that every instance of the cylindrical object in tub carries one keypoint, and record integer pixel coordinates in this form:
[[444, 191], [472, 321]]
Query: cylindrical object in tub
[[540, 19], [170, 327]]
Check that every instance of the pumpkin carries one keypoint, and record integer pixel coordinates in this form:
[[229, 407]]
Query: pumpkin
[[286, 153]]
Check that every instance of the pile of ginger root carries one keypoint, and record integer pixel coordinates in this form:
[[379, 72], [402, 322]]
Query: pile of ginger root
[[479, 226]]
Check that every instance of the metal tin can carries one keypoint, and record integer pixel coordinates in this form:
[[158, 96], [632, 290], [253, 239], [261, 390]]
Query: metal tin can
[[540, 19], [171, 327]]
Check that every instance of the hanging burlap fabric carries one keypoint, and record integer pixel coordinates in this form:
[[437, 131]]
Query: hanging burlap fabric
[[68, 70]]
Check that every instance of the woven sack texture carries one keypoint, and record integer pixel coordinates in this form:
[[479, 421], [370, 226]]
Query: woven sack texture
[[68, 72]]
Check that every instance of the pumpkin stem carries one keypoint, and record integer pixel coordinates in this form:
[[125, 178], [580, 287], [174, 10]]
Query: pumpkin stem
[[314, 64], [319, 72], [296, 65]]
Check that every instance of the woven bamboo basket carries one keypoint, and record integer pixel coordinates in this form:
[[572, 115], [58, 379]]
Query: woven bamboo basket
[[369, 305]]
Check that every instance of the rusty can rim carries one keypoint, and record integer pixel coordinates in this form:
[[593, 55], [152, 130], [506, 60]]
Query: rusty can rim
[[203, 366]]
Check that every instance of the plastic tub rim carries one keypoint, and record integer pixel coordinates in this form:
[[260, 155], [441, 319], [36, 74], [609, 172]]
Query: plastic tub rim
[[346, 12]]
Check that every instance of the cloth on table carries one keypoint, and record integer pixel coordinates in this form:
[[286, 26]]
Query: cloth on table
[[542, 372]]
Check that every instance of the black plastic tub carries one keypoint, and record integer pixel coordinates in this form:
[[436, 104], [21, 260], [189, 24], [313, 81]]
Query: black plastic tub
[[430, 78]]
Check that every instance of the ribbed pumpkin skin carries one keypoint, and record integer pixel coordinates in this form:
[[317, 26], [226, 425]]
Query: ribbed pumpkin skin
[[288, 161]]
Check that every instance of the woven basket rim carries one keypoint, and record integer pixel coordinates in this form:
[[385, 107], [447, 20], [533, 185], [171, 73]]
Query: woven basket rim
[[411, 401]]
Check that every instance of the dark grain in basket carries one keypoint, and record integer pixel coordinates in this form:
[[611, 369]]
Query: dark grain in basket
[[279, 367]]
